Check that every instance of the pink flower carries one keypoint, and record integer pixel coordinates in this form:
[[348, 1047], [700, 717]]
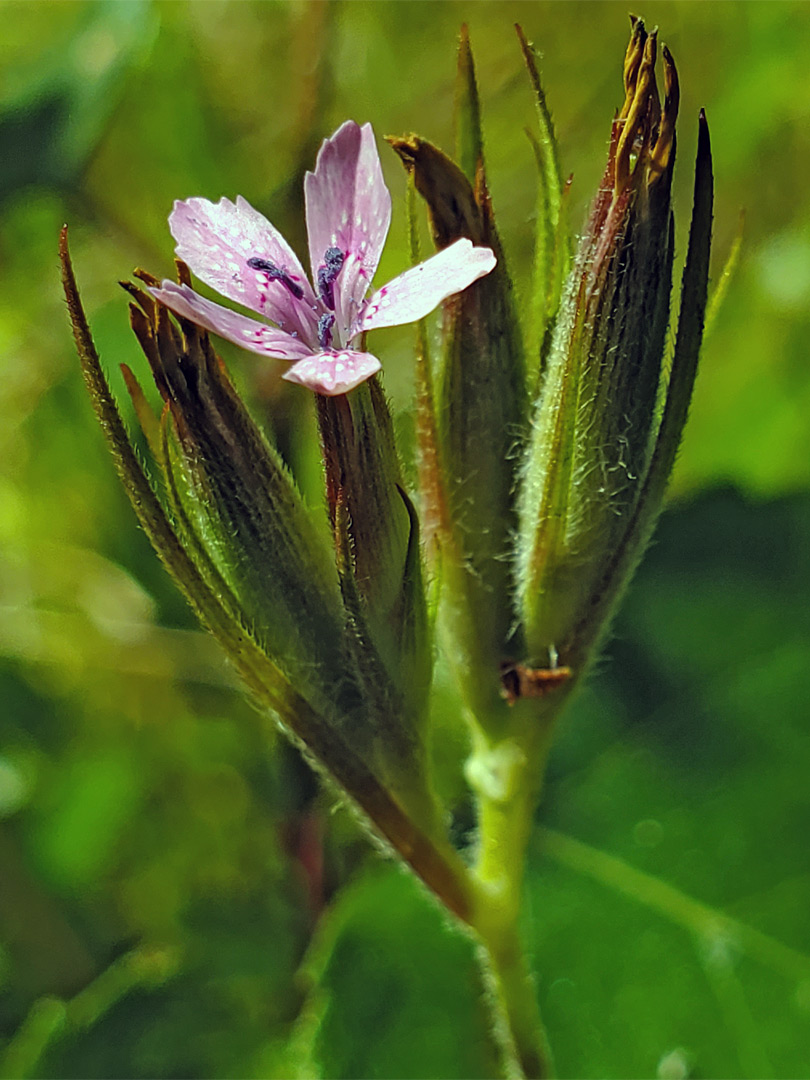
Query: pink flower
[[234, 249]]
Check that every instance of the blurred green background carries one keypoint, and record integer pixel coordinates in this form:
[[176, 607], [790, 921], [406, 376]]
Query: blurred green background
[[177, 898]]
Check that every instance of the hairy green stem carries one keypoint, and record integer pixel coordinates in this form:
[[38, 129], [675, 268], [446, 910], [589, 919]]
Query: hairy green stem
[[506, 776], [518, 1025]]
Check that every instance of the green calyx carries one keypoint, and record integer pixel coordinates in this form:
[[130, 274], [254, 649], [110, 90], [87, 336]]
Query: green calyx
[[379, 563]]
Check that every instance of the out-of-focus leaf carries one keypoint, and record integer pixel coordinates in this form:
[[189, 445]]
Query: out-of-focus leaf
[[96, 799], [687, 760], [395, 990], [56, 106]]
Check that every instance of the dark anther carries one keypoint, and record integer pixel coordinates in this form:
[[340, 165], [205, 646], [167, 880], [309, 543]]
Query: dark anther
[[327, 275], [325, 324], [275, 274]]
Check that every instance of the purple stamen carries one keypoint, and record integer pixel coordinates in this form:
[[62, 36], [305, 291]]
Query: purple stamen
[[325, 324], [274, 274], [327, 275]]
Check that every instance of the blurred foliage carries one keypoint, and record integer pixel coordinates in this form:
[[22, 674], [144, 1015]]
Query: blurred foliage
[[177, 897]]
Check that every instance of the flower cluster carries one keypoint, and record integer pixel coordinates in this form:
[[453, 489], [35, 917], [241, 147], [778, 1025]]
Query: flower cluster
[[544, 452]]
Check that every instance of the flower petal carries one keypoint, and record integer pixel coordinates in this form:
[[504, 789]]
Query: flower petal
[[242, 331], [335, 372], [348, 207], [419, 290], [217, 239]]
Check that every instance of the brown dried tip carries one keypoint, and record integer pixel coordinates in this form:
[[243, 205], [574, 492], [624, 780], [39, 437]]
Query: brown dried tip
[[183, 273], [143, 299], [646, 137], [451, 199], [662, 150], [632, 61]]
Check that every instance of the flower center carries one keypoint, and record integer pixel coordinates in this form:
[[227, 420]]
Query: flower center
[[325, 324], [333, 260], [274, 274]]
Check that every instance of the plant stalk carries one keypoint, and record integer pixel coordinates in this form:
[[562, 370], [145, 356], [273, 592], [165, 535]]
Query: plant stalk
[[506, 776]]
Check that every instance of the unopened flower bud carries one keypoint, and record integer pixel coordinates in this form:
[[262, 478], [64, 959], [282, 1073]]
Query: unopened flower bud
[[376, 536], [237, 505], [595, 432], [481, 403]]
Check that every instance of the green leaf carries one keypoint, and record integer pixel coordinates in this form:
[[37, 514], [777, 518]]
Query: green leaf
[[726, 276], [389, 978], [694, 292], [469, 134], [145, 502], [552, 252]]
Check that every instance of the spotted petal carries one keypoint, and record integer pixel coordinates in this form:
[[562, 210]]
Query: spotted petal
[[419, 290], [348, 207], [217, 239], [241, 330], [335, 372]]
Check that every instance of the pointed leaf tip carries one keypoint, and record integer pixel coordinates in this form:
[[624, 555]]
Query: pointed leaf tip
[[469, 135], [551, 258]]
